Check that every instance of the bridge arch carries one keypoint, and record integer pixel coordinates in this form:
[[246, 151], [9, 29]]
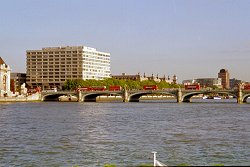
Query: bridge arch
[[135, 97], [187, 97], [244, 98], [52, 97], [91, 97]]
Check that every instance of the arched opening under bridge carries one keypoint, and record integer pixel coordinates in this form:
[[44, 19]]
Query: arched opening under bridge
[[136, 97]]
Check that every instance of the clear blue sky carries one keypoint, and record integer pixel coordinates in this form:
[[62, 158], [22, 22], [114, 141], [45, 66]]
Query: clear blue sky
[[189, 38]]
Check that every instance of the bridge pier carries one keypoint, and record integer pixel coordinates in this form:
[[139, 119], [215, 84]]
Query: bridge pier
[[239, 97], [179, 96], [79, 96], [125, 95]]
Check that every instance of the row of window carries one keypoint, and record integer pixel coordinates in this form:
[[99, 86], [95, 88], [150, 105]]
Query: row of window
[[56, 52], [63, 53]]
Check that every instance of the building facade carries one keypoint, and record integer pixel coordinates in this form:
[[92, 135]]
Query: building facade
[[138, 77], [205, 82], [225, 77], [52, 66], [4, 79], [135, 77], [210, 82], [16, 80]]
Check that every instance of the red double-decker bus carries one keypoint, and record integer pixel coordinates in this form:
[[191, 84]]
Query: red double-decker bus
[[150, 87], [247, 87], [97, 88], [193, 87], [115, 88], [92, 88]]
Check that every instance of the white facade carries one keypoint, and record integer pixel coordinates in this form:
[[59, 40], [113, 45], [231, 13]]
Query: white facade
[[4, 79], [96, 65], [52, 66]]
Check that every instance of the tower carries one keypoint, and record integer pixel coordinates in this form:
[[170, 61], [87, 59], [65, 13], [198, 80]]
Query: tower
[[174, 79], [224, 75]]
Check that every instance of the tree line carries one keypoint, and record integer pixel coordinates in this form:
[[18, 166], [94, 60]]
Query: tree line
[[129, 84]]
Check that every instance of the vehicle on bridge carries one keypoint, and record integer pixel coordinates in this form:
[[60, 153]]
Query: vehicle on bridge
[[150, 87], [115, 88], [50, 90], [193, 87], [247, 87], [92, 88]]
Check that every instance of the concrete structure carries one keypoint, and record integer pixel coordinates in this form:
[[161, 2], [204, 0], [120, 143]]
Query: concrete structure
[[52, 66], [224, 75], [16, 80], [4, 79], [135, 95]]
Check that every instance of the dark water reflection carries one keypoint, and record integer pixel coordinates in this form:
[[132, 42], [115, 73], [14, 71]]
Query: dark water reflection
[[94, 134]]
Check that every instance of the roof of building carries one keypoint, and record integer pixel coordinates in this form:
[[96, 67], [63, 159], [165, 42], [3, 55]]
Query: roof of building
[[1, 61], [223, 70]]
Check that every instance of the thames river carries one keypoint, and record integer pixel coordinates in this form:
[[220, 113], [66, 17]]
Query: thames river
[[94, 134]]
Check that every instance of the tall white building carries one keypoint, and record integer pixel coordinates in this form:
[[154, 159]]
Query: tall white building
[[4, 79], [52, 66]]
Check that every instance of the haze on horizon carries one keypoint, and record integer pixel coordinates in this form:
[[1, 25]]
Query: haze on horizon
[[189, 38]]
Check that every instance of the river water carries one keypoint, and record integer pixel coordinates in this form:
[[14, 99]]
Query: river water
[[125, 134]]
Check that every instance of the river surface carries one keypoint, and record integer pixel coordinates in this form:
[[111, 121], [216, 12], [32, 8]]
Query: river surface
[[94, 134]]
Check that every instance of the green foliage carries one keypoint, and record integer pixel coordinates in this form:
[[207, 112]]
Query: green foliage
[[130, 85], [109, 165], [145, 165], [218, 165]]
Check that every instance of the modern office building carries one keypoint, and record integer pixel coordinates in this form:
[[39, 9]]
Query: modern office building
[[52, 66], [4, 79], [224, 75]]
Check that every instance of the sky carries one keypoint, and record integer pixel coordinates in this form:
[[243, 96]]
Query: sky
[[187, 38]]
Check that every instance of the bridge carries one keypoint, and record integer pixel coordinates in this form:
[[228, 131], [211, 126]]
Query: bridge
[[181, 95]]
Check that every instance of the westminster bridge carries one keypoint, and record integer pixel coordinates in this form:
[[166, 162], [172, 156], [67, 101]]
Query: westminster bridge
[[181, 95]]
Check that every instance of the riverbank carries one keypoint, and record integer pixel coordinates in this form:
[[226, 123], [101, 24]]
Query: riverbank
[[32, 98]]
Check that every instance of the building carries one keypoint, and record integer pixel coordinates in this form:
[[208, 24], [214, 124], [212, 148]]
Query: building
[[210, 82], [138, 77], [189, 82], [166, 79], [204, 82], [4, 79], [234, 83], [174, 79], [16, 80], [224, 75], [52, 66], [153, 78], [124, 76]]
